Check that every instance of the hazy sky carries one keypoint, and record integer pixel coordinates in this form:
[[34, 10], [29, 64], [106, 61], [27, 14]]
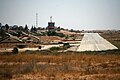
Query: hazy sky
[[76, 14]]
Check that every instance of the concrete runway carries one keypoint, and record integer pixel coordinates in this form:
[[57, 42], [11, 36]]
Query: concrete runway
[[94, 42]]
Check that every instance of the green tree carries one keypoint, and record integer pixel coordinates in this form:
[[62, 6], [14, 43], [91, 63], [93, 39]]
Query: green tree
[[32, 29], [35, 29], [20, 28], [7, 26], [58, 28], [66, 45], [26, 28]]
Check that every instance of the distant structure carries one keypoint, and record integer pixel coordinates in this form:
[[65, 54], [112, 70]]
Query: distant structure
[[36, 19], [51, 25]]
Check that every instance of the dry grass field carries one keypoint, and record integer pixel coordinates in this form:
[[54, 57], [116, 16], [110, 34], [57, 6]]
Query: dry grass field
[[72, 66]]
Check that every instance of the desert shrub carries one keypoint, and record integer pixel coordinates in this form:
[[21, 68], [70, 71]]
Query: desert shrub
[[43, 52], [54, 48], [21, 46], [60, 42], [61, 35], [51, 33], [66, 45], [39, 47], [15, 50]]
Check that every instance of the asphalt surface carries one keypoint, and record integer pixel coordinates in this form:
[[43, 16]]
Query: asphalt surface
[[94, 42]]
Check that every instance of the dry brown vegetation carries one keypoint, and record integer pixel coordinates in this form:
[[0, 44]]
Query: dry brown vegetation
[[76, 66], [12, 45], [113, 37]]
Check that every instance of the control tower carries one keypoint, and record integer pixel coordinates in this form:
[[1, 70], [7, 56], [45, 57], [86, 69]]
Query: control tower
[[51, 25]]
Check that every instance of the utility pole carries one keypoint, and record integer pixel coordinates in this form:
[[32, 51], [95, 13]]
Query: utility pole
[[36, 20]]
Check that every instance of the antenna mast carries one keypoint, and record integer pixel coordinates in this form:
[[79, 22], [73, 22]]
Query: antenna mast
[[50, 18], [36, 19]]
